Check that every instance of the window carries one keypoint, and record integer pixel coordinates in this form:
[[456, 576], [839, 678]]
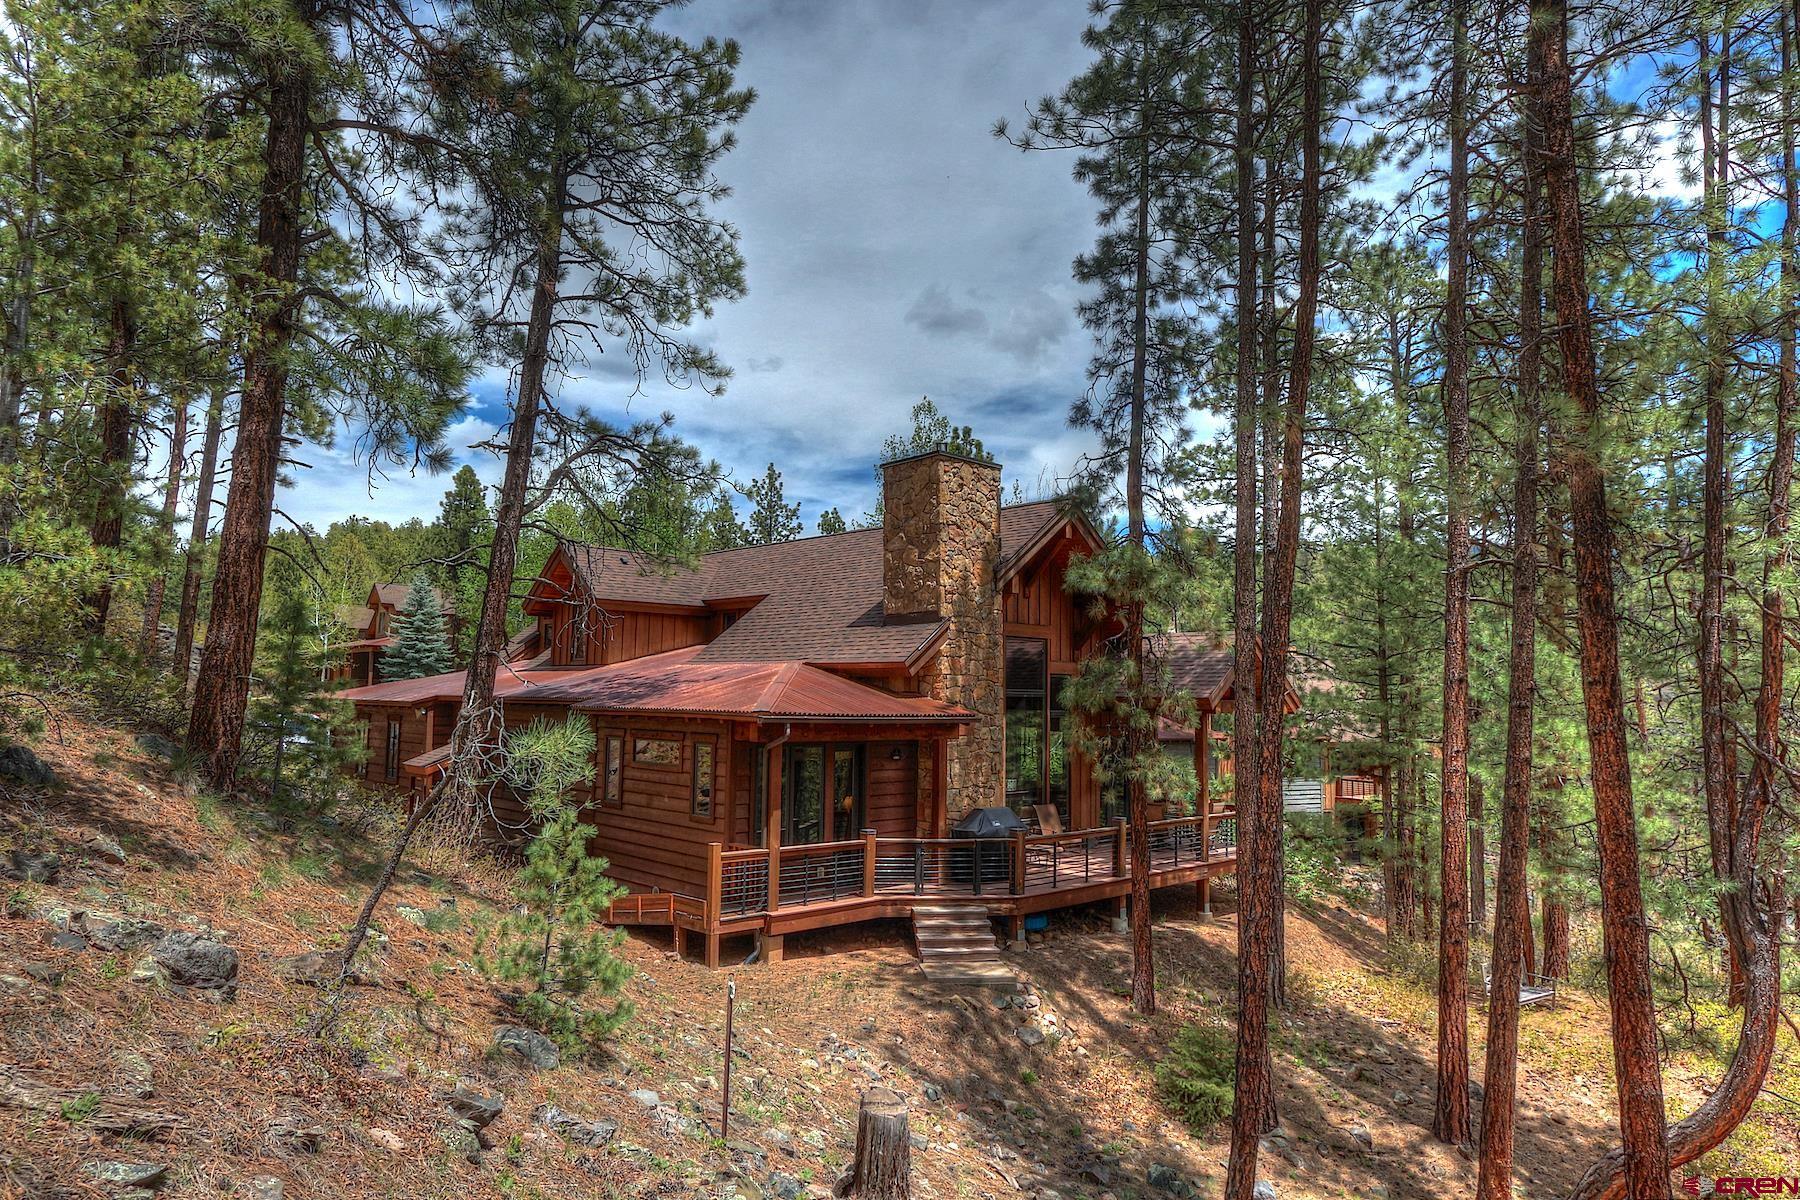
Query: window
[[703, 778], [612, 788], [656, 752], [391, 763], [1027, 717], [576, 633]]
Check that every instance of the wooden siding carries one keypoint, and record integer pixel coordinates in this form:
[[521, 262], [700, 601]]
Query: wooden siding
[[652, 840], [891, 807], [1036, 605]]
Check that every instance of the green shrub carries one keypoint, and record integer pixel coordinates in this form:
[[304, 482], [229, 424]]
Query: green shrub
[[556, 941], [1197, 1074]]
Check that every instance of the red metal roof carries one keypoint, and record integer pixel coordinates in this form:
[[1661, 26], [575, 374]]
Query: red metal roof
[[677, 683]]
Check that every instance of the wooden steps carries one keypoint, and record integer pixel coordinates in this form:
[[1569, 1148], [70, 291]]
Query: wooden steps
[[956, 945]]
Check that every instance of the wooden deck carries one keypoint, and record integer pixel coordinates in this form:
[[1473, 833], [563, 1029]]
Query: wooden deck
[[797, 888]]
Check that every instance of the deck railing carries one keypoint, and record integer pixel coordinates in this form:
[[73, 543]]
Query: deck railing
[[739, 880]]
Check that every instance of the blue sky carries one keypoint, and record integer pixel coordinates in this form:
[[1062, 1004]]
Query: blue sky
[[895, 249]]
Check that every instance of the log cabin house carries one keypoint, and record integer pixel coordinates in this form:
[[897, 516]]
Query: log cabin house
[[788, 736]]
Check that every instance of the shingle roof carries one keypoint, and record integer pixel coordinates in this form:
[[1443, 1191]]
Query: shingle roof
[[393, 595], [822, 596], [678, 683], [1197, 666]]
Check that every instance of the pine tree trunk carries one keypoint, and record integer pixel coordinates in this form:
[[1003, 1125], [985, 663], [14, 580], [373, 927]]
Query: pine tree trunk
[[1752, 909], [1556, 940], [1143, 956], [117, 416], [194, 561], [1512, 903], [475, 743], [216, 728], [1271, 498], [1253, 1088], [1450, 1117], [1626, 930], [153, 597]]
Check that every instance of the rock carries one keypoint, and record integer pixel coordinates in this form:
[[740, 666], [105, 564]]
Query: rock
[[266, 1187], [148, 970], [1031, 1035], [315, 968], [593, 1134], [133, 1070], [105, 849], [408, 912], [118, 931], [44, 972], [68, 941], [1264, 1190], [295, 1132], [1354, 1074], [20, 764], [529, 1045], [126, 1174], [27, 867], [157, 746], [780, 1139], [1164, 1178], [785, 1186], [387, 1139], [198, 962], [933, 1093], [1402, 1099], [646, 1097], [1362, 1137], [460, 1139], [477, 1107]]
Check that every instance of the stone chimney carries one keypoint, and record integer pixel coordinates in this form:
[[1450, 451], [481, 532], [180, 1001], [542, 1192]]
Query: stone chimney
[[940, 558]]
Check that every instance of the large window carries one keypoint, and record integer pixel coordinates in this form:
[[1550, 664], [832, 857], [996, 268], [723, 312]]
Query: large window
[[823, 793], [1027, 721], [1057, 766], [391, 763]]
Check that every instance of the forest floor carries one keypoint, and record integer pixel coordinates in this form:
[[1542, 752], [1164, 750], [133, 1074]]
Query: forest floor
[[233, 1097]]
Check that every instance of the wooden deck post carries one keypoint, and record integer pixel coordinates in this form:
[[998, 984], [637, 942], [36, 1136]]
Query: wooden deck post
[[715, 875], [1018, 861], [868, 862], [1203, 892], [1203, 761]]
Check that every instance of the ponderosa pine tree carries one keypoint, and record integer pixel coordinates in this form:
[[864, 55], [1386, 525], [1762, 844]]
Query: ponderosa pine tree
[[720, 527], [581, 127], [772, 519], [421, 644], [1637, 1065], [832, 521], [323, 343]]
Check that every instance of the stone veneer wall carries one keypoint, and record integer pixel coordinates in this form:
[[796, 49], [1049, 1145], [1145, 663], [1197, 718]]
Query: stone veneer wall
[[941, 550]]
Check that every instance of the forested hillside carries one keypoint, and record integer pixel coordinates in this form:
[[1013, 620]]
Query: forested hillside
[[1443, 362]]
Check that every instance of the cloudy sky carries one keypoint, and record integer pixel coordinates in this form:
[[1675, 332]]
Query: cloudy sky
[[895, 250]]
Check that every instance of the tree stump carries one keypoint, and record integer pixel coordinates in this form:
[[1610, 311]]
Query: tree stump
[[883, 1166]]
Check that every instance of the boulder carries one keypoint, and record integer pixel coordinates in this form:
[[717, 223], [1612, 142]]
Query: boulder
[[26, 866], [461, 1139], [118, 931], [319, 968], [409, 913], [1165, 1178], [1031, 1035], [68, 941], [1362, 1137], [197, 962], [593, 1134], [387, 1139], [295, 1132], [785, 1186], [18, 763], [1264, 1190], [265, 1187], [126, 1174], [646, 1097], [105, 849], [473, 1105], [529, 1045], [133, 1070]]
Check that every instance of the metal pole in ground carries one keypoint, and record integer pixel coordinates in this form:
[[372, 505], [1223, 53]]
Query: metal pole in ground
[[730, 1009]]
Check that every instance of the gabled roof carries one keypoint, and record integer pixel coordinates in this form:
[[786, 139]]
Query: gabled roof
[[1203, 668], [677, 683], [820, 597], [393, 595]]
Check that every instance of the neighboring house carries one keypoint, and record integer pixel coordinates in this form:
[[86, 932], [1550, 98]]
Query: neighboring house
[[373, 624], [1327, 771], [787, 736]]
